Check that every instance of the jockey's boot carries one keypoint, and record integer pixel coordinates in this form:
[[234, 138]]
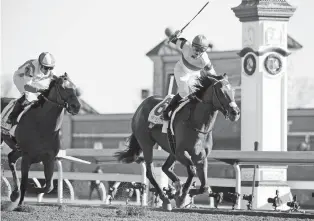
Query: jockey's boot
[[17, 109], [17, 146], [172, 105]]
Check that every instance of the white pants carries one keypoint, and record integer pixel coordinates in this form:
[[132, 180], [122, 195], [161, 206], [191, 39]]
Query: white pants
[[185, 79]]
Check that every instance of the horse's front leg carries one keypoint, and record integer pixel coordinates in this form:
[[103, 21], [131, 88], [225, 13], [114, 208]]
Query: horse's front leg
[[184, 159], [201, 163], [201, 168], [13, 156], [25, 165], [49, 164]]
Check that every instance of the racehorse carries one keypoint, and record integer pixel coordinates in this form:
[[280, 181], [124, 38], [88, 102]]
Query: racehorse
[[37, 134], [192, 126]]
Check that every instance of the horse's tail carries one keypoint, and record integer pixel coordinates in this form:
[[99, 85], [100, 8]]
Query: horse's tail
[[132, 153]]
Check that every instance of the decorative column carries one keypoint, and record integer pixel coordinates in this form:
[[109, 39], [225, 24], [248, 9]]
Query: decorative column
[[264, 93]]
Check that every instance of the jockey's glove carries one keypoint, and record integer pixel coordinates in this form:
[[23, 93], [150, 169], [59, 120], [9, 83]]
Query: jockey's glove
[[40, 90]]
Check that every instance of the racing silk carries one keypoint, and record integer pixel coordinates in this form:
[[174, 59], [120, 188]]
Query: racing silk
[[188, 69], [29, 74], [188, 63]]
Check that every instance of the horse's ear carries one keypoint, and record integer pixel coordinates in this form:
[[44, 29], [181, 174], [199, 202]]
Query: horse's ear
[[225, 76], [66, 76]]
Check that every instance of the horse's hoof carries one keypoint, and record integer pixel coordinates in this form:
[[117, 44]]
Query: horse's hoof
[[8, 206], [193, 170], [48, 190], [24, 208], [180, 202], [167, 206], [204, 189], [177, 185], [39, 190], [14, 196]]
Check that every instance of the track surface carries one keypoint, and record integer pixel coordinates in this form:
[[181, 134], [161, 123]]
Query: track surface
[[45, 212]]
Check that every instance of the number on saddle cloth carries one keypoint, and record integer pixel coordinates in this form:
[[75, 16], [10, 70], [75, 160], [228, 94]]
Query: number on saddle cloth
[[162, 106], [155, 116]]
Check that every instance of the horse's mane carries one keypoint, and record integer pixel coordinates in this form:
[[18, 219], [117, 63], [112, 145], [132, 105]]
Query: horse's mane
[[45, 93], [203, 82]]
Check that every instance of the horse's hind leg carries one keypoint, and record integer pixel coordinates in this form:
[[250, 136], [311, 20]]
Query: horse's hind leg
[[147, 147], [168, 167], [25, 165], [13, 156]]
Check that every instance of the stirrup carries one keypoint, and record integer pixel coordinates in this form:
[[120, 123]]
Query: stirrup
[[9, 121], [18, 148], [12, 121], [165, 116]]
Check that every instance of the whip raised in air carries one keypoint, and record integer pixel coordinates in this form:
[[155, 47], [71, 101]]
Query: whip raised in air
[[194, 17], [189, 21]]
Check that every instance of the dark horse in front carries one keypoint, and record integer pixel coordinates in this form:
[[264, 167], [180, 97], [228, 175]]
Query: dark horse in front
[[192, 127], [37, 134]]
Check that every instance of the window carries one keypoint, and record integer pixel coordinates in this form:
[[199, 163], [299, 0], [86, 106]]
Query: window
[[144, 93]]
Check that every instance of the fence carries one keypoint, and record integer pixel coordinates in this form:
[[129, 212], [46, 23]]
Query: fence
[[236, 158]]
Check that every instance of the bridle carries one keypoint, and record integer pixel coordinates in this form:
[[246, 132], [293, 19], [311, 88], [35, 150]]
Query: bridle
[[221, 107], [64, 103]]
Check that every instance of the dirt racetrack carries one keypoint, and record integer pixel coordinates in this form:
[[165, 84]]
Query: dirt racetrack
[[45, 212]]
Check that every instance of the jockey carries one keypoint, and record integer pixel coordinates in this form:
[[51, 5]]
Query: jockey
[[32, 78], [194, 59]]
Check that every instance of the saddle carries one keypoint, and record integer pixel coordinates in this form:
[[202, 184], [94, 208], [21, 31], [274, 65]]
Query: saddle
[[6, 128], [155, 118]]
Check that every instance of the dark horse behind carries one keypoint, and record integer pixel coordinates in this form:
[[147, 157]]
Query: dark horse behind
[[37, 134], [192, 126]]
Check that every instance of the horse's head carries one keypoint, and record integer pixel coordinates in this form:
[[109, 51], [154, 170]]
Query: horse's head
[[63, 92], [217, 91]]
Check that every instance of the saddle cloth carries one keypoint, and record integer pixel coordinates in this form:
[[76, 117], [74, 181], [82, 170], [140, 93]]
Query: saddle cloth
[[155, 115], [5, 127]]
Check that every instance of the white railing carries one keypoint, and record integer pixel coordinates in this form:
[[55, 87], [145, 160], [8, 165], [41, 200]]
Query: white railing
[[67, 176], [236, 158]]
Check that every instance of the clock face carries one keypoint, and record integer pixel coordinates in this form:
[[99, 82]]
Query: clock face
[[273, 64], [249, 64]]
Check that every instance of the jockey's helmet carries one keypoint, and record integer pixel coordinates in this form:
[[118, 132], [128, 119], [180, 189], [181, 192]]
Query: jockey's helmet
[[47, 60], [201, 42]]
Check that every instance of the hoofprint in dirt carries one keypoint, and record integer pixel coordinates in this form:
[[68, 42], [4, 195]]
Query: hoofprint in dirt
[[30, 212]]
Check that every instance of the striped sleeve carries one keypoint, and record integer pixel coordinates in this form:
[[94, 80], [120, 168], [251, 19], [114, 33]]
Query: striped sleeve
[[27, 69], [28, 72], [181, 42], [26, 64]]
